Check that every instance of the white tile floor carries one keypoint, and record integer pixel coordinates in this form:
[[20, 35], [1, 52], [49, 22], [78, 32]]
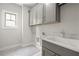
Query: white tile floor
[[22, 51]]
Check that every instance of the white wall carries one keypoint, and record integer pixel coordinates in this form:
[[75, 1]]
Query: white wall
[[9, 37], [27, 30], [23, 34], [70, 18], [69, 21]]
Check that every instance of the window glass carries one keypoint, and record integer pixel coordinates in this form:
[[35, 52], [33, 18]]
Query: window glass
[[12, 17], [7, 16], [10, 23]]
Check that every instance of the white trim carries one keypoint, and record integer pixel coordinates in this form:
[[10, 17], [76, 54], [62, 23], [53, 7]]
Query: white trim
[[3, 19], [22, 24], [29, 43], [38, 46], [9, 47], [38, 54], [16, 45]]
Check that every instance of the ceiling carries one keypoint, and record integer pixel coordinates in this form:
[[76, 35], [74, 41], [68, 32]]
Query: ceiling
[[30, 5]]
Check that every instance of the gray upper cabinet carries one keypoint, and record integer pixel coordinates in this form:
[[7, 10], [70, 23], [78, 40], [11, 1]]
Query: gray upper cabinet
[[49, 13], [44, 13], [39, 13], [36, 14], [33, 16]]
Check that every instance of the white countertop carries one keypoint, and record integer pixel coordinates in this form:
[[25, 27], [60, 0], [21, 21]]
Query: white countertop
[[72, 44]]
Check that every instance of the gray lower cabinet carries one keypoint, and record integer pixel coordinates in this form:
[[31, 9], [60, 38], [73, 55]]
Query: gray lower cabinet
[[47, 52], [51, 49]]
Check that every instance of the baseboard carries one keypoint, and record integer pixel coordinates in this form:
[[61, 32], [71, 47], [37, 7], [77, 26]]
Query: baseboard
[[38, 54], [29, 43], [9, 47], [16, 45]]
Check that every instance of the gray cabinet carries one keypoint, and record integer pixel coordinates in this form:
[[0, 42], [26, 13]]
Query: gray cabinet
[[47, 52], [45, 14], [56, 50], [49, 13], [39, 18], [33, 13], [36, 15]]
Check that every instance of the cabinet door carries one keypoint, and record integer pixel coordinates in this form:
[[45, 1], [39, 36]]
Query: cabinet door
[[39, 13], [47, 52], [33, 16], [49, 13]]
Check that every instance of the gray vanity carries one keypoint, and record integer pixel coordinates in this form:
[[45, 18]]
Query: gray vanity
[[51, 49]]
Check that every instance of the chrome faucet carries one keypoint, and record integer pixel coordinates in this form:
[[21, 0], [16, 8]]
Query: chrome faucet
[[43, 33]]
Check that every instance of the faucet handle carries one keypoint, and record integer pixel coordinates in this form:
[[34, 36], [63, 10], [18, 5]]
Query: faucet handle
[[43, 33]]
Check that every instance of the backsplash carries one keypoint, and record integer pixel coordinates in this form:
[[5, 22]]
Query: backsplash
[[66, 35], [71, 35]]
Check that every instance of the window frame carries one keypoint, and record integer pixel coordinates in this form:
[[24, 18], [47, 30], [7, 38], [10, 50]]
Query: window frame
[[10, 19], [4, 20]]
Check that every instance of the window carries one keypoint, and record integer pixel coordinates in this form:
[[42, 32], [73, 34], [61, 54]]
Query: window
[[10, 19]]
